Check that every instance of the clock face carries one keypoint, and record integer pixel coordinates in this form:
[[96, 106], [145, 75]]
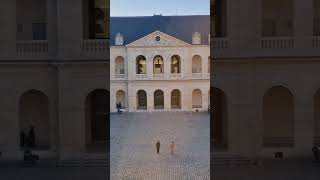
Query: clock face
[[157, 38]]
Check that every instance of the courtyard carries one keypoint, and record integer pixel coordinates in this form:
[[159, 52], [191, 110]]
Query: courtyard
[[133, 152]]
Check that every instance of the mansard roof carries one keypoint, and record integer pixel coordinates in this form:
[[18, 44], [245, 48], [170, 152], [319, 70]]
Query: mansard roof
[[180, 27]]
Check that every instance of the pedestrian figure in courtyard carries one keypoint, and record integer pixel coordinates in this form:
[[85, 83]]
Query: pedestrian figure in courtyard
[[158, 146], [172, 148]]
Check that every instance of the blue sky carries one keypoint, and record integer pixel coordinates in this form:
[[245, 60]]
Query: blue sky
[[164, 7]]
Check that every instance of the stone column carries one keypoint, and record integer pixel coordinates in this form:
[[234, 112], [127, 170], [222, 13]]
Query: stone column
[[303, 125], [167, 100], [150, 101]]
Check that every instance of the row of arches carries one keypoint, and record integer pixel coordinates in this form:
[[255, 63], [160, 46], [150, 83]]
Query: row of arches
[[158, 97], [278, 118], [34, 113], [158, 64]]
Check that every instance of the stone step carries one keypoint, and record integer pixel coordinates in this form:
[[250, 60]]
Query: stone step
[[83, 162], [230, 159]]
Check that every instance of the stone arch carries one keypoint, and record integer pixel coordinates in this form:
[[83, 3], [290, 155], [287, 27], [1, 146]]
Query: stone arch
[[175, 99], [119, 65], [219, 118], [158, 65], [158, 99], [34, 114], [196, 98], [175, 64], [142, 100], [97, 107], [278, 117], [121, 98], [141, 65], [196, 64]]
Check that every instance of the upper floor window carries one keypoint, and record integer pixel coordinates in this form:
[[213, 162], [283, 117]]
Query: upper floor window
[[95, 19], [158, 65], [196, 64], [316, 17], [277, 18], [219, 12], [119, 65], [175, 64], [31, 18], [141, 65]]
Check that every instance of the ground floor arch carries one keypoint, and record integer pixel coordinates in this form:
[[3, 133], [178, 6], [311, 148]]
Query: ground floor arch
[[34, 120], [96, 120], [278, 118], [218, 118], [141, 100], [158, 99], [175, 99], [121, 98], [196, 98]]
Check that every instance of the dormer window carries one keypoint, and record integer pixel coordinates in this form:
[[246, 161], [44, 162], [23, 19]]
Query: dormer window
[[196, 38], [119, 40]]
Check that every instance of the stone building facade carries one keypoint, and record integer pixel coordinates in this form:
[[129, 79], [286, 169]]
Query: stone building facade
[[164, 68], [54, 65], [265, 79]]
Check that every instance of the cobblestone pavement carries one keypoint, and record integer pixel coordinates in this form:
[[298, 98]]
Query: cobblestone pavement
[[133, 152]]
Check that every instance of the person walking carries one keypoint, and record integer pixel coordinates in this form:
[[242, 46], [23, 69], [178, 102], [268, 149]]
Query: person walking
[[172, 148], [158, 146]]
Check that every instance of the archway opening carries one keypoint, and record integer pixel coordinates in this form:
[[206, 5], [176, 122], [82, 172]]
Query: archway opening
[[96, 121], [34, 120], [219, 119], [141, 65], [141, 100], [278, 118], [175, 99], [196, 64], [158, 99], [121, 99], [196, 98], [119, 65], [158, 65], [175, 64]]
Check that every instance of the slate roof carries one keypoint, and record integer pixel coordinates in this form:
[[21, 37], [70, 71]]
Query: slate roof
[[181, 27]]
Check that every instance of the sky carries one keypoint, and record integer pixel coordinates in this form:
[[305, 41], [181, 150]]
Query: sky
[[164, 7]]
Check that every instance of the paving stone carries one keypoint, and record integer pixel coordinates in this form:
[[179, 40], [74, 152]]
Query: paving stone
[[133, 152]]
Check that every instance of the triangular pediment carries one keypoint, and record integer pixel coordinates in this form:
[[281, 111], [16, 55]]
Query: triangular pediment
[[157, 38]]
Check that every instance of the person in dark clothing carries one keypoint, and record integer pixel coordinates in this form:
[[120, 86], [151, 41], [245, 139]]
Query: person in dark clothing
[[32, 137], [158, 147]]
